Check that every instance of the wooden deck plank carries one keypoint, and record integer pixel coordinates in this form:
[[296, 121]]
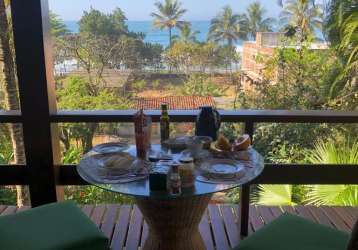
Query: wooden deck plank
[[335, 219], [23, 208], [235, 209], [255, 218], [97, 214], [289, 209], [345, 216], [2, 208], [134, 231], [109, 220], [353, 211], [205, 231], [121, 228], [276, 211], [87, 209], [217, 224], [305, 213], [145, 232], [231, 225], [320, 216], [9, 210], [266, 214]]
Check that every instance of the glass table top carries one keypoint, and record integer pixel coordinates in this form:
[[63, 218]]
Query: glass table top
[[140, 188]]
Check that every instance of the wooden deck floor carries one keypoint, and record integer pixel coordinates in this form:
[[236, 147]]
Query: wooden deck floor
[[124, 224]]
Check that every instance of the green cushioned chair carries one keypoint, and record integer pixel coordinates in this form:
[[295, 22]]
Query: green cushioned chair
[[57, 226], [290, 232]]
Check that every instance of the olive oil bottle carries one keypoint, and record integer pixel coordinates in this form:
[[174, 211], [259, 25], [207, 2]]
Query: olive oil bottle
[[164, 123]]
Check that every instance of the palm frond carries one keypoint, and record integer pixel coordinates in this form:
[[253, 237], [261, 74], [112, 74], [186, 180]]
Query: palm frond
[[331, 152], [337, 195], [275, 195]]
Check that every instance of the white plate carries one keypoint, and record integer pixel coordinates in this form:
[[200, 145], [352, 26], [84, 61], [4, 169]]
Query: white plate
[[110, 147], [222, 168], [130, 169]]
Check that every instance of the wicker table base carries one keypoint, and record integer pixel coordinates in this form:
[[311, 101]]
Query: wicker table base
[[173, 224]]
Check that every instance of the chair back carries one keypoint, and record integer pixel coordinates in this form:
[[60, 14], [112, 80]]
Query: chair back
[[353, 242]]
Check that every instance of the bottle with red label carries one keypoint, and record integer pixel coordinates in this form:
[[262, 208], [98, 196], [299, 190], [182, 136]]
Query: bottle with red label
[[142, 129]]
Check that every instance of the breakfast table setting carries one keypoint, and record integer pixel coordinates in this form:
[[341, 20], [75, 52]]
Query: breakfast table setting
[[173, 182]]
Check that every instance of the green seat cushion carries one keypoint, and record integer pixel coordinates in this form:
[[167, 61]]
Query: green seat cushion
[[52, 227], [290, 232]]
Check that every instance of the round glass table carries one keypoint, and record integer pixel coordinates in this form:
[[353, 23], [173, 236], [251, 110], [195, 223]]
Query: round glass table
[[173, 220]]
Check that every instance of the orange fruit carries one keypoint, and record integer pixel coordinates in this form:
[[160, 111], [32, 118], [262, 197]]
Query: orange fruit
[[242, 143], [223, 143]]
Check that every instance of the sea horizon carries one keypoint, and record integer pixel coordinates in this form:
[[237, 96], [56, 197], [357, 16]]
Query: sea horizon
[[156, 36]]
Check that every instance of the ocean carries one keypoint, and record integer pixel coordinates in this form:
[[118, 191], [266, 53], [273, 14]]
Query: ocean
[[155, 35]]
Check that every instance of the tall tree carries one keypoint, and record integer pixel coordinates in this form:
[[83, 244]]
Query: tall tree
[[303, 15], [256, 21], [76, 95], [341, 25], [58, 27], [187, 35], [341, 29], [9, 84], [96, 23], [228, 27], [168, 16]]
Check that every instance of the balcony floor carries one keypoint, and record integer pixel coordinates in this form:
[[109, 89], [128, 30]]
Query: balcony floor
[[124, 224]]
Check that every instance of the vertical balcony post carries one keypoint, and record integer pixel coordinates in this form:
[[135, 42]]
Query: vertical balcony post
[[34, 66], [245, 193]]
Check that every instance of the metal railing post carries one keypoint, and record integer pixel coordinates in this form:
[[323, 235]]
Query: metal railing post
[[244, 205]]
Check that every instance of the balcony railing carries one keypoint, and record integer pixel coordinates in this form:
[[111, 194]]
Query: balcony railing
[[43, 171], [273, 173]]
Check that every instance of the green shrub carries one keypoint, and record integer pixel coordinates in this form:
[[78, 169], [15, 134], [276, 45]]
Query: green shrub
[[73, 155], [138, 85], [7, 196], [156, 84], [199, 85]]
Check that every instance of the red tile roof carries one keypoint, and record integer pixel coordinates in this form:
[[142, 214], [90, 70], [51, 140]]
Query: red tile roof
[[175, 102]]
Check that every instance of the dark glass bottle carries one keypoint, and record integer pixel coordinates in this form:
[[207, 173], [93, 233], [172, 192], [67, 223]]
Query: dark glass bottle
[[164, 123], [208, 122]]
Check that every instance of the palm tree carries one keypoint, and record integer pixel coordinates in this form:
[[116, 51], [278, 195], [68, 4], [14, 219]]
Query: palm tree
[[256, 21], [338, 13], [8, 80], [187, 35], [304, 15], [168, 16], [340, 29], [228, 27], [332, 153]]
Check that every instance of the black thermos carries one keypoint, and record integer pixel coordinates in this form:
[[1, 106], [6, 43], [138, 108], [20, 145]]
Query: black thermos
[[208, 122]]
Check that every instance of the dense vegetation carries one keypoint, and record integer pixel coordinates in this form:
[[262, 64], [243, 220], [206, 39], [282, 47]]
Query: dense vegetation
[[295, 77]]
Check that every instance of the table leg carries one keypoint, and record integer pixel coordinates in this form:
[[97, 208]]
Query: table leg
[[173, 224]]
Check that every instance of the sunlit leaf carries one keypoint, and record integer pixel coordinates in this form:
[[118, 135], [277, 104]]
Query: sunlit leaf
[[275, 195]]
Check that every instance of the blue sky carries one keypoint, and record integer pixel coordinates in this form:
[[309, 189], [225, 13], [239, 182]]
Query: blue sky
[[141, 9]]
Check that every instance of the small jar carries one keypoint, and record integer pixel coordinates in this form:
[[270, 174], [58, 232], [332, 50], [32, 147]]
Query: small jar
[[186, 172], [174, 180]]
